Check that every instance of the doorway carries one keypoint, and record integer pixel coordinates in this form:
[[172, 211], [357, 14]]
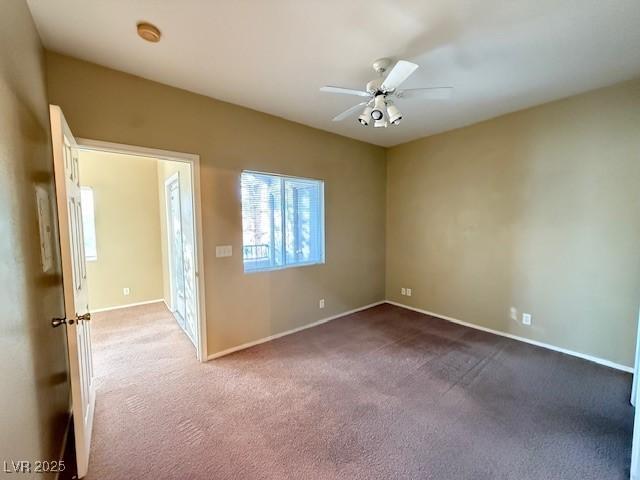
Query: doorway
[[169, 248]]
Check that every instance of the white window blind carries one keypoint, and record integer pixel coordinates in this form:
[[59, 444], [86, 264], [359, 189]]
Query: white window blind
[[88, 223], [282, 221]]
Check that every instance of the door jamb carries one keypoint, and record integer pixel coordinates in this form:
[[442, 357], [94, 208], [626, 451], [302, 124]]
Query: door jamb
[[194, 160]]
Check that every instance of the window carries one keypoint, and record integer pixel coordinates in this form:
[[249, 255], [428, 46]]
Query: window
[[88, 223], [282, 221]]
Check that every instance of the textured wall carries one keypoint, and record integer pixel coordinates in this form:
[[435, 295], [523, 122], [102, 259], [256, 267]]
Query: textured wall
[[34, 404], [127, 214], [539, 210]]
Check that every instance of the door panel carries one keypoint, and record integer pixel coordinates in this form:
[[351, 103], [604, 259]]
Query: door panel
[[177, 250], [74, 280], [181, 252]]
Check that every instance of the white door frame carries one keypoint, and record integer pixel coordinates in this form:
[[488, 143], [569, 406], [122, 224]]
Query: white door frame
[[194, 160], [635, 443]]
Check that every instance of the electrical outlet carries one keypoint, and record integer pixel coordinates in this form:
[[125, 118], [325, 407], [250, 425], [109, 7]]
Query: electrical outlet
[[514, 313], [126, 291], [403, 291], [321, 303], [408, 292], [526, 319]]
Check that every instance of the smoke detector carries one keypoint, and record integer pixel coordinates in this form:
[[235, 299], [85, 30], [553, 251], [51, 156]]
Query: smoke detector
[[149, 32]]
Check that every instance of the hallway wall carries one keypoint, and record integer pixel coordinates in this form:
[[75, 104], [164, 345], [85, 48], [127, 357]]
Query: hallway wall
[[127, 218], [34, 406]]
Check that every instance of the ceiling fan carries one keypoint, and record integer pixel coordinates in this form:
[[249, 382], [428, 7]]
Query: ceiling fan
[[380, 94]]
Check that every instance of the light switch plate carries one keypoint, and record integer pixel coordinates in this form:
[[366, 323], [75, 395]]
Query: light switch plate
[[224, 250]]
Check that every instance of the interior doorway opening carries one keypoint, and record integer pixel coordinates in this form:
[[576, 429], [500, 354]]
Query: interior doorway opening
[[141, 235]]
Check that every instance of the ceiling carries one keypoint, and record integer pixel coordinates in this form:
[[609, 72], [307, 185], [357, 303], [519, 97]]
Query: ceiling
[[274, 55]]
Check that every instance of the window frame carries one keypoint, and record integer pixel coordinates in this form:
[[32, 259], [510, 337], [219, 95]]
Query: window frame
[[93, 214], [321, 219]]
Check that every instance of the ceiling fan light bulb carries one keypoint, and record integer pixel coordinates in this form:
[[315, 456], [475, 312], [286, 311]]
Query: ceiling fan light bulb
[[394, 114], [379, 106], [365, 116]]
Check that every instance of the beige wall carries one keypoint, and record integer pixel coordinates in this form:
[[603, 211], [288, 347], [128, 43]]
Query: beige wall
[[539, 210], [104, 104], [35, 400], [127, 214]]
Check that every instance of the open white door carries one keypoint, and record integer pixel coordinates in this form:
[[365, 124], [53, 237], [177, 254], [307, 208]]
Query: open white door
[[74, 279]]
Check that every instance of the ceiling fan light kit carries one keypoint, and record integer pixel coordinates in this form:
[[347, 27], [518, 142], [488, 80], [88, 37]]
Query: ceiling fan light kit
[[394, 114], [365, 116], [380, 108]]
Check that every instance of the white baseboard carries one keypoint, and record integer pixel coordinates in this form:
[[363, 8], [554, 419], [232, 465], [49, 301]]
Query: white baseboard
[[289, 332], [118, 307], [590, 358]]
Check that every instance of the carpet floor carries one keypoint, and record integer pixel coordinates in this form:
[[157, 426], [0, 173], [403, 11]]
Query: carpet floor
[[386, 393]]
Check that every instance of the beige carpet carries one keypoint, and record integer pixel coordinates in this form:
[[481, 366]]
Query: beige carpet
[[382, 394]]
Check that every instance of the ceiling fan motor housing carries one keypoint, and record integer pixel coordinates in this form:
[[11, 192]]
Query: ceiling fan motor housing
[[382, 65], [373, 87]]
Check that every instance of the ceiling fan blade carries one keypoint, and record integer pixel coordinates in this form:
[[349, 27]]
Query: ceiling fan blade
[[348, 112], [398, 74], [345, 91], [431, 93]]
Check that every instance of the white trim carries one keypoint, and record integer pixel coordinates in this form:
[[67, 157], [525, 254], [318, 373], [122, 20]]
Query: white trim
[[601, 361], [118, 307], [203, 347], [636, 365], [289, 332], [194, 160], [112, 147], [635, 444]]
